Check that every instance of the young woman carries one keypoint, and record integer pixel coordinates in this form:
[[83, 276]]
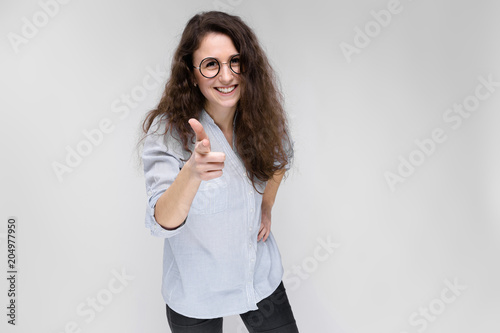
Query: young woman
[[216, 149]]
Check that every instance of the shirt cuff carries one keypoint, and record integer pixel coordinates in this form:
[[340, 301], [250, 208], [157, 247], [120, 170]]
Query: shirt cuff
[[151, 223]]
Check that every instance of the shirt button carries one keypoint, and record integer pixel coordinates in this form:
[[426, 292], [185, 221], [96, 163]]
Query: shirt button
[[251, 210], [149, 192], [251, 192]]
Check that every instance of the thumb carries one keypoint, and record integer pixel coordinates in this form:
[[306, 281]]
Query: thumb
[[201, 135]]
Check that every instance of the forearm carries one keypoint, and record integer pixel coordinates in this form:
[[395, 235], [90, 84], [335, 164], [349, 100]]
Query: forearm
[[271, 190], [173, 205]]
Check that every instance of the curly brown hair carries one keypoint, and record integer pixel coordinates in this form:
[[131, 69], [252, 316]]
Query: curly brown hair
[[261, 127]]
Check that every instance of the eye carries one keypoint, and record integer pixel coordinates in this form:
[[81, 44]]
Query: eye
[[235, 61], [210, 64]]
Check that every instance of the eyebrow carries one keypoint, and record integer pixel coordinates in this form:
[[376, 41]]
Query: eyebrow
[[218, 58]]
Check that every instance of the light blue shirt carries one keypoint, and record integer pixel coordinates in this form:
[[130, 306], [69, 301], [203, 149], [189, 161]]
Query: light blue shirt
[[213, 265]]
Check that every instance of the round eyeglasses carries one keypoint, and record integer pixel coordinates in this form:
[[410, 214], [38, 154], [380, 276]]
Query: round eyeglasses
[[210, 67]]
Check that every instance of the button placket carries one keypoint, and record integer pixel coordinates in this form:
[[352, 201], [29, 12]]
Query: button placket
[[252, 244], [235, 161], [252, 241]]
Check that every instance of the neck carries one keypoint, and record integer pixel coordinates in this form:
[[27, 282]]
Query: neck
[[223, 118]]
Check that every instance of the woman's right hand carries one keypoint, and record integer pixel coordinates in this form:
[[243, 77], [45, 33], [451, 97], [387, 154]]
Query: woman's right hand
[[203, 163]]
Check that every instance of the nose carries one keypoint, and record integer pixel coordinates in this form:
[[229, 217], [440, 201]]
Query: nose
[[225, 74]]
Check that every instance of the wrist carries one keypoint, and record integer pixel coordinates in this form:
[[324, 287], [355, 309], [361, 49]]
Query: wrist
[[267, 206], [190, 173]]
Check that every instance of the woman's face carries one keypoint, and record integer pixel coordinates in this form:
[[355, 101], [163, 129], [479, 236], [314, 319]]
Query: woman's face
[[222, 92]]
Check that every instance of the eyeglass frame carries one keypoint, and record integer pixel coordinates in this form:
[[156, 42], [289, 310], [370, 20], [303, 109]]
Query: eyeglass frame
[[220, 65]]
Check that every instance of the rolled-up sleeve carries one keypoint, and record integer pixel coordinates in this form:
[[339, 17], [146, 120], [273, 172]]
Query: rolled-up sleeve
[[162, 162]]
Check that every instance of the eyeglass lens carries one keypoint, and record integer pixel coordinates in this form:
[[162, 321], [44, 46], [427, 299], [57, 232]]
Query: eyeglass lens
[[210, 67]]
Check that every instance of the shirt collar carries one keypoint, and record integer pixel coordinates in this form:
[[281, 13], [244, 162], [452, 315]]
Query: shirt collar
[[205, 117]]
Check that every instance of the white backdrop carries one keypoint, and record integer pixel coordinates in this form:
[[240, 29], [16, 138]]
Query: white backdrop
[[388, 222]]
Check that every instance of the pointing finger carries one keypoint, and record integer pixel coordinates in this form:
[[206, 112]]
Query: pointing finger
[[198, 129], [202, 147]]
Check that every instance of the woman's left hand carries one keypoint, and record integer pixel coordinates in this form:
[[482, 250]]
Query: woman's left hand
[[265, 224]]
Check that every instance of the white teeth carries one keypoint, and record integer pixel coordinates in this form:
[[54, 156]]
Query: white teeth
[[226, 90]]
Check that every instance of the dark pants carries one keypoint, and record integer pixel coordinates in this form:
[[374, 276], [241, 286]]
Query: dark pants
[[273, 316]]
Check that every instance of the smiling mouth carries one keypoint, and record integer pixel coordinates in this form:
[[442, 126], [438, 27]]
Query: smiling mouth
[[226, 90]]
